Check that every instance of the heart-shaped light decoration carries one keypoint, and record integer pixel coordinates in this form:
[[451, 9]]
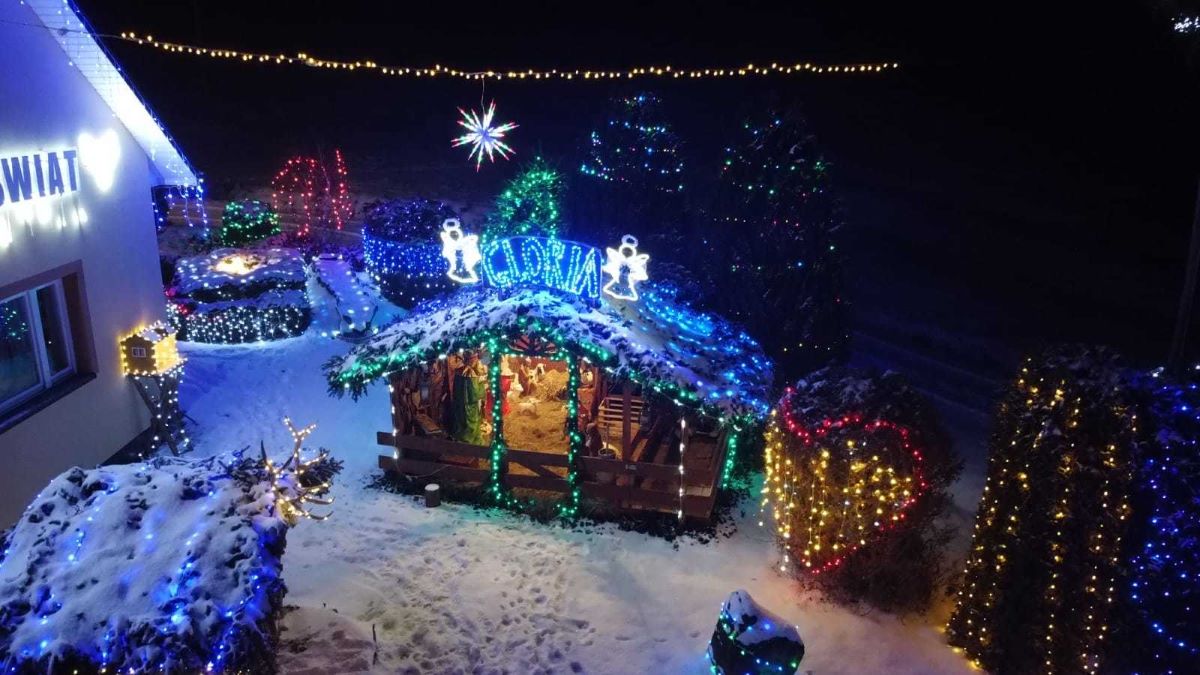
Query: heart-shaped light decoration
[[99, 156], [836, 486]]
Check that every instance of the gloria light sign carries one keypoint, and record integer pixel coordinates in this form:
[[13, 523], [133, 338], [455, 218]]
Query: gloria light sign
[[553, 263], [33, 184]]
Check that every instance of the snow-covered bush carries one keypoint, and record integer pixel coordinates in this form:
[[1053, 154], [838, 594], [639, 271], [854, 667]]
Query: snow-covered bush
[[240, 295], [165, 565], [870, 454]]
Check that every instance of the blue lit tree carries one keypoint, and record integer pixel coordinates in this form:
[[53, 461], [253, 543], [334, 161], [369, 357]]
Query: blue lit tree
[[775, 226]]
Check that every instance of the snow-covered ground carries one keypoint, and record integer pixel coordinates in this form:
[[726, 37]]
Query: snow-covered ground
[[456, 590]]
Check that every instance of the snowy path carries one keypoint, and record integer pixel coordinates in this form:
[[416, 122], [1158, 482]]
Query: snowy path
[[454, 590]]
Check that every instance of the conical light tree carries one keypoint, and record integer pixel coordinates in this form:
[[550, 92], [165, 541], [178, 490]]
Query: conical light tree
[[632, 177], [776, 223], [530, 204]]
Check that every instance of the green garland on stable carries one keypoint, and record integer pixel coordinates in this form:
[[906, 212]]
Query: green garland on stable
[[356, 380]]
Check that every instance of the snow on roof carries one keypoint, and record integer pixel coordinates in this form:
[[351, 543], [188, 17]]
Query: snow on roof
[[140, 566], [701, 359], [66, 23]]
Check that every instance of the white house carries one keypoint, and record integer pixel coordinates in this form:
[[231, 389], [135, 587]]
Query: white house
[[79, 155]]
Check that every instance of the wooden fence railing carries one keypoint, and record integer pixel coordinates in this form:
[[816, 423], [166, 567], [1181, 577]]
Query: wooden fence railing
[[633, 485]]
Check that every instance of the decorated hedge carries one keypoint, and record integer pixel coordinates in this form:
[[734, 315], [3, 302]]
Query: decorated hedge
[[1161, 591], [240, 295], [1045, 571], [857, 475], [401, 248]]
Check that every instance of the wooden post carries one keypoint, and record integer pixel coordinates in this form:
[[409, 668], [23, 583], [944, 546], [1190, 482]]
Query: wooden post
[[1183, 320], [626, 421]]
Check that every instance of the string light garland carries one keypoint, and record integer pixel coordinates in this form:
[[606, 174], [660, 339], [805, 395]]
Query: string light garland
[[664, 71], [189, 200], [1055, 508]]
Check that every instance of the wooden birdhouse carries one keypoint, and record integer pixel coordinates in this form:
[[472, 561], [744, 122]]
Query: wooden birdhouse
[[150, 351]]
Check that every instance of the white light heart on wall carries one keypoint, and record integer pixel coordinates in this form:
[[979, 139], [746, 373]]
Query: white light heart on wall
[[99, 156]]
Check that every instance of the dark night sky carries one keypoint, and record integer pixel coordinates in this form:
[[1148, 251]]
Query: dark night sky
[[1029, 175]]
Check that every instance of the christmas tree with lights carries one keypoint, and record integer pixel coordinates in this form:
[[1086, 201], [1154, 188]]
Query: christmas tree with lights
[[633, 177], [776, 222], [529, 204]]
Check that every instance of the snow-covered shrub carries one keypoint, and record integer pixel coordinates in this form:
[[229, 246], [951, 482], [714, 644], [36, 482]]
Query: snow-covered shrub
[[245, 221], [166, 565], [240, 295], [876, 436]]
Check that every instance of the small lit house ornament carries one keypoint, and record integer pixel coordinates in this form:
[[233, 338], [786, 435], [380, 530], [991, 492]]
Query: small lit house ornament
[[150, 350], [625, 267], [461, 251]]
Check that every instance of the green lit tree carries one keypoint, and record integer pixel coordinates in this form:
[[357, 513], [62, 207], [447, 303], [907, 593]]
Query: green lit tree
[[530, 204], [775, 227], [245, 221]]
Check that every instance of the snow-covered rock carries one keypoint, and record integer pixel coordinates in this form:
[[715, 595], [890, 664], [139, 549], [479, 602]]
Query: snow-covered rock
[[749, 639]]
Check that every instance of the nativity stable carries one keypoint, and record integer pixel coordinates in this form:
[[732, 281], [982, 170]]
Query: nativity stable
[[538, 379]]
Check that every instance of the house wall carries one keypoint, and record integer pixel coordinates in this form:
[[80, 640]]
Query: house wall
[[46, 104]]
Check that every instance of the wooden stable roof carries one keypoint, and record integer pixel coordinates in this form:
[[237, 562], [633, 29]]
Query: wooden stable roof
[[700, 359]]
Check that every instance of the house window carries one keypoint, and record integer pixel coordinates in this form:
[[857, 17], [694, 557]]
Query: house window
[[35, 343], [139, 352]]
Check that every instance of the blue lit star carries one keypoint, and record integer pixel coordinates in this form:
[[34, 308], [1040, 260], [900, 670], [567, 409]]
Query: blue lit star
[[482, 136]]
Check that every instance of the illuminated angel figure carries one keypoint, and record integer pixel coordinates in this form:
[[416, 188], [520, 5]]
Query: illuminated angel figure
[[482, 136], [461, 251], [625, 267]]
